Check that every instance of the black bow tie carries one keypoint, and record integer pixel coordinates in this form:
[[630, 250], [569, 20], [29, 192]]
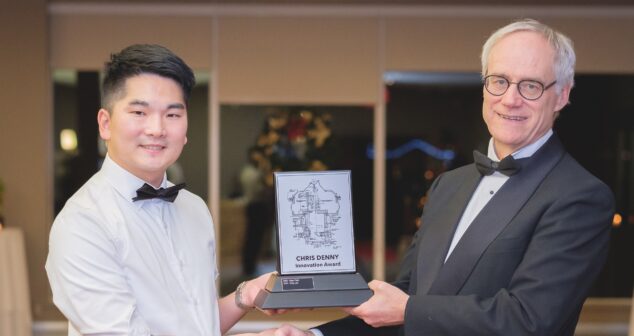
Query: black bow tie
[[508, 166], [166, 194]]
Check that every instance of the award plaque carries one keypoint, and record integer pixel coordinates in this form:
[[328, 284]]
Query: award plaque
[[315, 240]]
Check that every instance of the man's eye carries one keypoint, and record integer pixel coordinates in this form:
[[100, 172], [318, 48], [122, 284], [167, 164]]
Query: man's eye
[[139, 113], [173, 115], [498, 81]]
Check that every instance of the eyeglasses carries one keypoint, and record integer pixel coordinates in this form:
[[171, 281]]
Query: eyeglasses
[[529, 89]]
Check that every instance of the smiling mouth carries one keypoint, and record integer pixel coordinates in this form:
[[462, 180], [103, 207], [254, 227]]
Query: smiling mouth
[[153, 147], [513, 118]]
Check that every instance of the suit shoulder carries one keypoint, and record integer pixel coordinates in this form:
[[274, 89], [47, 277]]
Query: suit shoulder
[[574, 175], [569, 182], [458, 174], [461, 171]]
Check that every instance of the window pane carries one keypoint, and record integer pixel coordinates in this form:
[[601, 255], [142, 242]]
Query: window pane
[[425, 112]]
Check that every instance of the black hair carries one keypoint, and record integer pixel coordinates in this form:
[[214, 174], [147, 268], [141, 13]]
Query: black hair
[[138, 59]]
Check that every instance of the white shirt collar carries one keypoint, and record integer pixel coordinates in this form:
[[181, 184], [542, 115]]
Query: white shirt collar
[[124, 182], [524, 152]]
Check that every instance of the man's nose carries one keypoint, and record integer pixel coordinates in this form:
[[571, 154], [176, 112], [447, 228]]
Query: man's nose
[[155, 126], [512, 96]]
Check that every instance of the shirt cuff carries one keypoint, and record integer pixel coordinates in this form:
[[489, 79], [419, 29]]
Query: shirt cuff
[[317, 332]]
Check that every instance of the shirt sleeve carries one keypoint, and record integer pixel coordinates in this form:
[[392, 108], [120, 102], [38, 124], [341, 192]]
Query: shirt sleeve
[[88, 281]]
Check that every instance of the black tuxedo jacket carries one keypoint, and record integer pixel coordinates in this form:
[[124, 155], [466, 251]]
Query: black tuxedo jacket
[[523, 267]]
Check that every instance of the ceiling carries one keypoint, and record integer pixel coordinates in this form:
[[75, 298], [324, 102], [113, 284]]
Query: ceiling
[[373, 2]]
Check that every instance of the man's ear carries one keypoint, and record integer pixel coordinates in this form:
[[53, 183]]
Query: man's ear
[[563, 98], [103, 119]]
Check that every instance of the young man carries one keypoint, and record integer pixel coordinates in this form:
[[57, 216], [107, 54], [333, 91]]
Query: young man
[[130, 253], [509, 245]]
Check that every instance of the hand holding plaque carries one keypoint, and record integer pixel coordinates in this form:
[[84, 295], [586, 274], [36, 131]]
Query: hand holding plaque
[[316, 264]]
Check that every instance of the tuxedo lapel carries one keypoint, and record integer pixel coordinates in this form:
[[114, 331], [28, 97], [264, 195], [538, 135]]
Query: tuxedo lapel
[[437, 237], [494, 217]]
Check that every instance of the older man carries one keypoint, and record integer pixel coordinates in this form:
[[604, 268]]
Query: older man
[[511, 244]]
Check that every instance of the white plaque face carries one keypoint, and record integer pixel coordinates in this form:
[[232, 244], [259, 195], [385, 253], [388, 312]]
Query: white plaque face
[[314, 222]]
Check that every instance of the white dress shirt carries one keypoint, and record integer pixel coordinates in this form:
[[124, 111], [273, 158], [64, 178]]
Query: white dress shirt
[[119, 267]]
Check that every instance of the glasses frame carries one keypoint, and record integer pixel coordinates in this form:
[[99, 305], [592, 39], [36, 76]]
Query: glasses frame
[[544, 87]]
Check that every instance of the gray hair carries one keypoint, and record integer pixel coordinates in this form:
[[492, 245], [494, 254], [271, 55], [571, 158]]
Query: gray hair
[[564, 62]]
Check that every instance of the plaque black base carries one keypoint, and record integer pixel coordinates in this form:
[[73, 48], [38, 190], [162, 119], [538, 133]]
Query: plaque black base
[[313, 291]]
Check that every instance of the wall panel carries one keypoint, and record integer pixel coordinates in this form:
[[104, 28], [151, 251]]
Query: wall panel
[[298, 60], [436, 44], [454, 43], [84, 41], [25, 138], [603, 44]]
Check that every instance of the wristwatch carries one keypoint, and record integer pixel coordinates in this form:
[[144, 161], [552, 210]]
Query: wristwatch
[[238, 297]]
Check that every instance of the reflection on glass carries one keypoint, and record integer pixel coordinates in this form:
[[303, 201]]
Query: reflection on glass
[[68, 140], [258, 140], [433, 124]]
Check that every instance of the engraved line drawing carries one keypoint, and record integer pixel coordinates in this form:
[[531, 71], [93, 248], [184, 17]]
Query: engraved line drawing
[[315, 212]]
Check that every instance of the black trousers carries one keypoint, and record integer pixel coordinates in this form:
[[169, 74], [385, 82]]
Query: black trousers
[[259, 217]]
